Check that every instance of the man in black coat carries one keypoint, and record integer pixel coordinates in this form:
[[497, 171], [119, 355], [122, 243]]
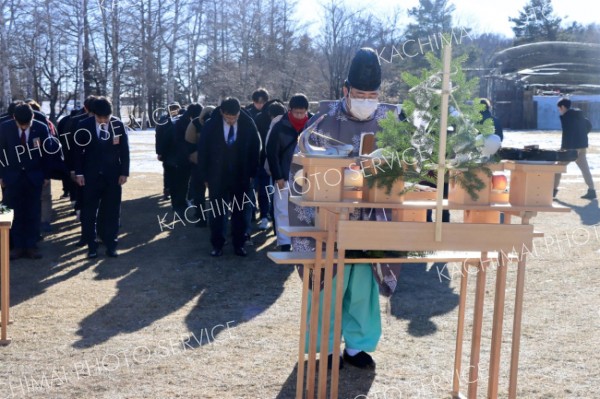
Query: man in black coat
[[101, 160], [180, 178], [166, 151], [575, 129], [487, 114], [228, 155], [280, 151], [23, 172]]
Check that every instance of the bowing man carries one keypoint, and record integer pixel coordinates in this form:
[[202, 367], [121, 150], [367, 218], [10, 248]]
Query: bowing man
[[23, 172], [101, 161]]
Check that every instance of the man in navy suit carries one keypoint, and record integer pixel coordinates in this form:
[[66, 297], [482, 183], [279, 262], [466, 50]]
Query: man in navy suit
[[228, 155], [101, 161], [23, 172]]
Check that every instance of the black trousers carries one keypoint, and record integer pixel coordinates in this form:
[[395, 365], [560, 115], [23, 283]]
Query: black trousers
[[167, 173], [197, 188], [25, 198], [101, 211], [179, 185], [217, 209]]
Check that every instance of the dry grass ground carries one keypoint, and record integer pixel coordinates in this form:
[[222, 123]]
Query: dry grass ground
[[165, 320]]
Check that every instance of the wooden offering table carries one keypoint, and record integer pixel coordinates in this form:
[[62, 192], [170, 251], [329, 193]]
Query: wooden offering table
[[472, 244], [5, 224]]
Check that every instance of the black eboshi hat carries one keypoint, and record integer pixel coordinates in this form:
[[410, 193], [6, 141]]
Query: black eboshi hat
[[365, 71]]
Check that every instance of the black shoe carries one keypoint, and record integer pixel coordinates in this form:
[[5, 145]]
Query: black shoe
[[16, 253], [330, 362], [92, 254], [216, 252], [362, 360], [591, 194], [112, 253], [65, 195], [285, 248], [240, 251], [32, 253]]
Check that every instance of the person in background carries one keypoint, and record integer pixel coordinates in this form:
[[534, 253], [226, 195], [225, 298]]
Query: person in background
[[22, 177], [228, 154], [165, 146], [69, 186], [180, 178], [260, 201], [487, 114], [55, 164], [281, 144], [10, 112], [197, 188], [259, 99], [575, 129]]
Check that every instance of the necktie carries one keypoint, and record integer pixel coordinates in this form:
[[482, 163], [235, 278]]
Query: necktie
[[23, 138], [230, 138], [103, 132]]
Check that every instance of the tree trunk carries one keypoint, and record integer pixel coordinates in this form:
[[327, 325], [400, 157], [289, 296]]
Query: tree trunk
[[4, 62]]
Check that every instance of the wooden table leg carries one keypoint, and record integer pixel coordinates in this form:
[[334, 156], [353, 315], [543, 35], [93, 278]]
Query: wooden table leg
[[516, 334], [477, 324], [462, 300], [314, 321], [302, 344], [326, 313], [499, 301], [5, 281], [337, 325]]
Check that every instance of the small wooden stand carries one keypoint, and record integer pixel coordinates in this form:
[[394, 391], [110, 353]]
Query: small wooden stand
[[532, 183], [5, 224]]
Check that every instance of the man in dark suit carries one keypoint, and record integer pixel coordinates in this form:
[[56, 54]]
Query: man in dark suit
[[23, 172], [228, 155], [101, 160]]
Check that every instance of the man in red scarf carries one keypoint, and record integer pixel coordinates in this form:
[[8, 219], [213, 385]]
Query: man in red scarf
[[280, 150]]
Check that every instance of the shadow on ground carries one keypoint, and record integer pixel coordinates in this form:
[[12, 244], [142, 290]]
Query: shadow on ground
[[353, 382], [422, 294], [588, 213], [160, 275]]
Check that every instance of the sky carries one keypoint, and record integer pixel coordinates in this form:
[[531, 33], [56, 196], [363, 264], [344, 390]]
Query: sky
[[483, 16]]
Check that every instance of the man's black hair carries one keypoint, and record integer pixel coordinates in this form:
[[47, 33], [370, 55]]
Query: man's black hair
[[12, 106], [230, 106], [276, 109], [102, 106], [23, 114], [485, 102], [88, 103], [260, 93], [193, 110], [298, 101], [564, 102]]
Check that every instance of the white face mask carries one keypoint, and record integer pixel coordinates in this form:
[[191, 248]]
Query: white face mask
[[363, 108]]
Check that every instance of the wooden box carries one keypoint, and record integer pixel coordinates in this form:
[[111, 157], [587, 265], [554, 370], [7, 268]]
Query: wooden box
[[499, 197], [409, 215], [323, 177], [472, 216], [378, 194], [532, 184], [458, 195]]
